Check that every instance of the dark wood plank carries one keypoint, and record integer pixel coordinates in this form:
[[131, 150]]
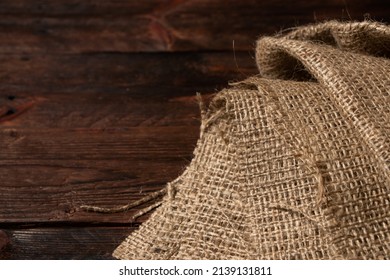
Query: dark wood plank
[[47, 174], [41, 243], [71, 26], [76, 90], [99, 110], [150, 75]]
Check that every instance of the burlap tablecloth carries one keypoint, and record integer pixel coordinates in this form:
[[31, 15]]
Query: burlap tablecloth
[[292, 163]]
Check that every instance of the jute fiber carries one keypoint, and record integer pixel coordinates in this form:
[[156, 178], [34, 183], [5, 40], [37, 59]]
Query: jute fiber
[[292, 163]]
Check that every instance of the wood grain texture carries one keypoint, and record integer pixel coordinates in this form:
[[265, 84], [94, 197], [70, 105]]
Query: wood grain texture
[[53, 243], [101, 129], [148, 75], [112, 91], [47, 174], [72, 26]]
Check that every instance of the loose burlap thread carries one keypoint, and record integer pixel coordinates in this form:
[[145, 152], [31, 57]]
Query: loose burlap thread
[[292, 163]]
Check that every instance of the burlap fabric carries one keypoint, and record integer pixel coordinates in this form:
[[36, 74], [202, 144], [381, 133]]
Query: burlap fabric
[[290, 164]]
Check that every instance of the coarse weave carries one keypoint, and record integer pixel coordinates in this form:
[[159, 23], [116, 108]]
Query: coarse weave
[[292, 163]]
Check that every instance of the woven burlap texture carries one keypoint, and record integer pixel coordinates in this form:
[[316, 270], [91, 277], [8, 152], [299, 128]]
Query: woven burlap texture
[[292, 163]]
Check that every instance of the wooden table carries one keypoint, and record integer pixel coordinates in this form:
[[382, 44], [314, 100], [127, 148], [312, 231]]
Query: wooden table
[[97, 105]]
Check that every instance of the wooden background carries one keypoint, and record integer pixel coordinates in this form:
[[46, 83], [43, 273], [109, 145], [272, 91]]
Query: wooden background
[[97, 105]]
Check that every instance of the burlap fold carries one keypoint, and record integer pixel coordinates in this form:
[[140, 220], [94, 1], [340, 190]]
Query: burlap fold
[[292, 163]]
